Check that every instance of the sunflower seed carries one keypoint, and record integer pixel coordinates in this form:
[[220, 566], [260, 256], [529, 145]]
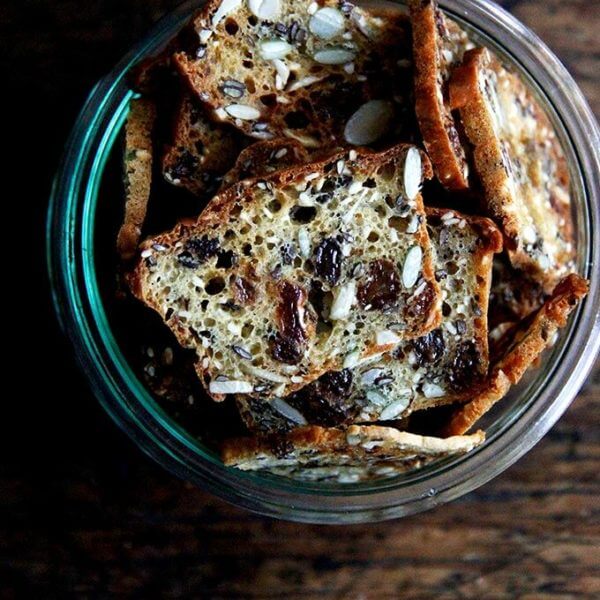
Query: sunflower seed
[[412, 173], [369, 377], [412, 266], [326, 23], [432, 390], [282, 72], [230, 387], [275, 48], [383, 338], [304, 242], [304, 82], [265, 9], [224, 9], [395, 409], [289, 412], [375, 397], [334, 56], [369, 123], [204, 35], [343, 299], [242, 111]]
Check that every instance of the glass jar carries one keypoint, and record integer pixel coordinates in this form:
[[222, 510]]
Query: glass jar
[[513, 427]]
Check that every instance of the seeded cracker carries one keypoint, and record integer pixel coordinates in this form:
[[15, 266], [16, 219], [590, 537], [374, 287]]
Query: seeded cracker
[[438, 46], [513, 295], [201, 152], [264, 158], [520, 163], [280, 279], [358, 453], [324, 74], [137, 173], [442, 367], [522, 347]]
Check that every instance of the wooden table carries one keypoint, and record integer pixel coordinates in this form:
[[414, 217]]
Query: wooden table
[[83, 513]]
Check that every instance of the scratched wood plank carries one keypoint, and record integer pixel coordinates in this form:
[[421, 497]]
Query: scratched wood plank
[[89, 516]]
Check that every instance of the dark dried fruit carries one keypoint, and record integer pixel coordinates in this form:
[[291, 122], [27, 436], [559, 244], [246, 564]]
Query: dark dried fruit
[[466, 366], [243, 291], [421, 304], [325, 401], [202, 248], [285, 350], [429, 349], [292, 300], [328, 260], [381, 287], [185, 166]]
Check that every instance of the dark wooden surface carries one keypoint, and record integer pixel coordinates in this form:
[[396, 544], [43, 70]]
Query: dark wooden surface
[[84, 514]]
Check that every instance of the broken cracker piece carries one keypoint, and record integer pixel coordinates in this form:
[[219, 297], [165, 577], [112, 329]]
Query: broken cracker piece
[[137, 173], [358, 453], [438, 46], [522, 347], [521, 165]]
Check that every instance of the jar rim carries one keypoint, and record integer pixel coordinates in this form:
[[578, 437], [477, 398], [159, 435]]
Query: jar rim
[[70, 255]]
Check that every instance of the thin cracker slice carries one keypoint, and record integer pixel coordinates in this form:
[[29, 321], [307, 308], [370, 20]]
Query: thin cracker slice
[[521, 165], [440, 368], [357, 453], [438, 45], [137, 173], [237, 285], [200, 152], [302, 70], [523, 346], [264, 158]]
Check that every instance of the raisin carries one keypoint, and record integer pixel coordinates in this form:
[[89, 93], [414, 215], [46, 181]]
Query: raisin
[[243, 291], [202, 248], [325, 401], [292, 297], [185, 166], [429, 348], [465, 367], [285, 350], [382, 286], [421, 304], [328, 260]]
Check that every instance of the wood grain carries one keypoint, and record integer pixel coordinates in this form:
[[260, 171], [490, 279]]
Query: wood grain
[[87, 515]]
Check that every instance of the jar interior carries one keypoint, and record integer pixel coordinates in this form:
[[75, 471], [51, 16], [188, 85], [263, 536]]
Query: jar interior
[[124, 324]]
